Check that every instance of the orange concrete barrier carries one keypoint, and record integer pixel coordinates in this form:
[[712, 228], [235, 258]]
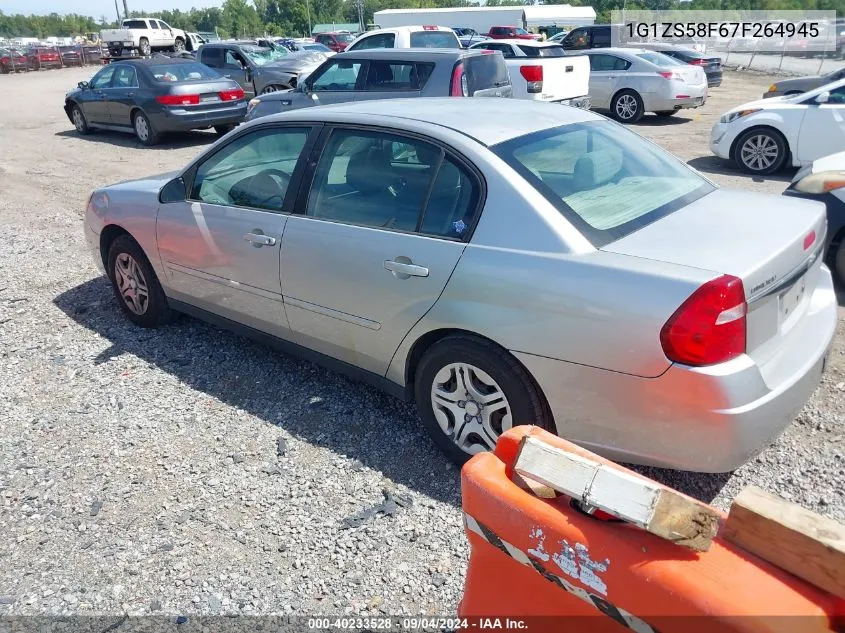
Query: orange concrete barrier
[[544, 565]]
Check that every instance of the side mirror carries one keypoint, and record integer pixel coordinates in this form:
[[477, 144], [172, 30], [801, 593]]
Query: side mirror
[[822, 97], [82, 85], [173, 191]]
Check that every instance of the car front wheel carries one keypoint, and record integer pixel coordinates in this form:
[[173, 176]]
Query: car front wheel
[[469, 391], [760, 151], [135, 284], [627, 107], [79, 121]]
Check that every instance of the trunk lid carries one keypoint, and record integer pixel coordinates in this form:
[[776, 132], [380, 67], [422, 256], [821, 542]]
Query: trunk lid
[[772, 243], [563, 77]]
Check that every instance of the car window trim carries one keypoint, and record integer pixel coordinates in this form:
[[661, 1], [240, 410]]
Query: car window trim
[[307, 181], [322, 68], [314, 131], [389, 62]]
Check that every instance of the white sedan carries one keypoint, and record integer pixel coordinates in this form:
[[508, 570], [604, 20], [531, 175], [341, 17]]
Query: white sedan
[[761, 136]]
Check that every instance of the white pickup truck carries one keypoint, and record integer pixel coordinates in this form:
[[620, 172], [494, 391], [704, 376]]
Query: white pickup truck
[[143, 35], [543, 71]]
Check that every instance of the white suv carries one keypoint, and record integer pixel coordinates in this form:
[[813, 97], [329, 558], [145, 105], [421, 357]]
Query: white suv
[[407, 37]]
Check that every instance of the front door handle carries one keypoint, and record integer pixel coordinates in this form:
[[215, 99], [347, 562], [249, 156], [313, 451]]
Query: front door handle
[[405, 269], [259, 239]]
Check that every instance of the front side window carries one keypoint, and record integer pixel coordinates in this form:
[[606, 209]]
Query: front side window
[[154, 24], [339, 75], [124, 77], [384, 181], [579, 38], [103, 78], [605, 179], [253, 171]]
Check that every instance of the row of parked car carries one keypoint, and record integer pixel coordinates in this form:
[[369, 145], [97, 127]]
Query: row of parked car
[[13, 60]]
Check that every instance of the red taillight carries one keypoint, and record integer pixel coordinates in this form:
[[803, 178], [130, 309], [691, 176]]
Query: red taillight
[[232, 95], [429, 28], [666, 74], [531, 73], [177, 100], [709, 327], [809, 240], [456, 89], [697, 62]]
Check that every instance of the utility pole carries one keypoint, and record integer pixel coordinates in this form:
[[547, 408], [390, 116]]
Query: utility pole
[[308, 10], [126, 9], [116, 10]]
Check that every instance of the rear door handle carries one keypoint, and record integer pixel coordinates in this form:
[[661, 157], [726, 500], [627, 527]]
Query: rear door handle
[[403, 270], [259, 239]]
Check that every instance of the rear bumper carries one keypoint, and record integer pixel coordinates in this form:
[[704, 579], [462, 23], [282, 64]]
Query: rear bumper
[[714, 79], [180, 120], [665, 104], [710, 419]]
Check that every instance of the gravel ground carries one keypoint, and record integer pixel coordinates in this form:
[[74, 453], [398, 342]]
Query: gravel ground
[[189, 470]]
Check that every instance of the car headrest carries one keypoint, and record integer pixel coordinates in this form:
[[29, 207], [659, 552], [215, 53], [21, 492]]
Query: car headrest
[[369, 170], [594, 169]]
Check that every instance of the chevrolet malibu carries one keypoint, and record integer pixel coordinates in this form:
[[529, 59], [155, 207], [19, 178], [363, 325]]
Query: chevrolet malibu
[[498, 262]]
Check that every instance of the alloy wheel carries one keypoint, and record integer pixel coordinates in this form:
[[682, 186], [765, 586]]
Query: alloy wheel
[[142, 128], [470, 407], [78, 120], [131, 283], [626, 107], [759, 152]]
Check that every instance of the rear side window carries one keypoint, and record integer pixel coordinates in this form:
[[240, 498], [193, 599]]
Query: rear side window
[[394, 76], [608, 62], [134, 24], [542, 51], [601, 37], [171, 73], [484, 72], [382, 40], [434, 39], [602, 177], [659, 59]]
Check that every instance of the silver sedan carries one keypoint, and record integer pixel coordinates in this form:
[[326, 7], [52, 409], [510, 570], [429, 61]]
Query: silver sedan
[[498, 262]]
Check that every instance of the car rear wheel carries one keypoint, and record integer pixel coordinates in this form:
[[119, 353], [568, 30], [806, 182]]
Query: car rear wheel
[[79, 121], [135, 284], [760, 151], [839, 263], [470, 391], [627, 107], [144, 47], [144, 131], [666, 113]]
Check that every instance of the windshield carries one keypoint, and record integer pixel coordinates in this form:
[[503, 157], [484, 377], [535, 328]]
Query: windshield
[[170, 73], [261, 56], [605, 179], [317, 47], [434, 39], [519, 31], [344, 37], [659, 59]]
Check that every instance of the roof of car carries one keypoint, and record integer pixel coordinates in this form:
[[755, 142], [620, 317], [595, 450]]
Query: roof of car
[[616, 51], [487, 120], [536, 43], [410, 54], [156, 60]]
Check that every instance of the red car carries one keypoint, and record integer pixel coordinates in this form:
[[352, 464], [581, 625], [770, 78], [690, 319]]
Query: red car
[[44, 58], [12, 61], [335, 41], [510, 33]]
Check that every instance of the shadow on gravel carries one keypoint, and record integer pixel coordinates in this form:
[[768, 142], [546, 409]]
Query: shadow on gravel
[[716, 165], [652, 120], [351, 419], [169, 141]]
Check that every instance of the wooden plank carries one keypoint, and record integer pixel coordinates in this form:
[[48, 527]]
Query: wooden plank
[[799, 541], [645, 503]]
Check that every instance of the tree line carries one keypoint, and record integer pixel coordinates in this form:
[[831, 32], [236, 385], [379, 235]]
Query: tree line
[[241, 18]]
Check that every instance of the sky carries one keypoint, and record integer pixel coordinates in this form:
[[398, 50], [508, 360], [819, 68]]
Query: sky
[[96, 8]]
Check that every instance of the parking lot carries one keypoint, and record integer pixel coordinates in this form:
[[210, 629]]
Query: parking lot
[[185, 469]]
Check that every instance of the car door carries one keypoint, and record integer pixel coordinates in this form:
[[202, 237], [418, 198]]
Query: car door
[[168, 38], [387, 79], [822, 129], [220, 247], [122, 95], [357, 272], [602, 79], [336, 81], [236, 67], [94, 101]]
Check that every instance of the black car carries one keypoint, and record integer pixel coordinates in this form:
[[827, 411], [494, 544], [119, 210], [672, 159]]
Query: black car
[[711, 65], [593, 36], [71, 55], [153, 96], [824, 181]]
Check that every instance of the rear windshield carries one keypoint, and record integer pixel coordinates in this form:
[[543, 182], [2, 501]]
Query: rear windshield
[[434, 39], [171, 73], [542, 51], [134, 24], [485, 71], [344, 37], [606, 180], [659, 59]]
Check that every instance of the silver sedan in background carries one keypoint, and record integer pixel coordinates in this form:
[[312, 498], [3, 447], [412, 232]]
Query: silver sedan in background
[[630, 82], [498, 262]]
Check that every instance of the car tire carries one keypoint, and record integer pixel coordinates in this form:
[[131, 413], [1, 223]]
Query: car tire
[[178, 45], [458, 360], [79, 120], [223, 130], [760, 151], [665, 114], [144, 47], [627, 106], [136, 285], [144, 131], [838, 261]]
